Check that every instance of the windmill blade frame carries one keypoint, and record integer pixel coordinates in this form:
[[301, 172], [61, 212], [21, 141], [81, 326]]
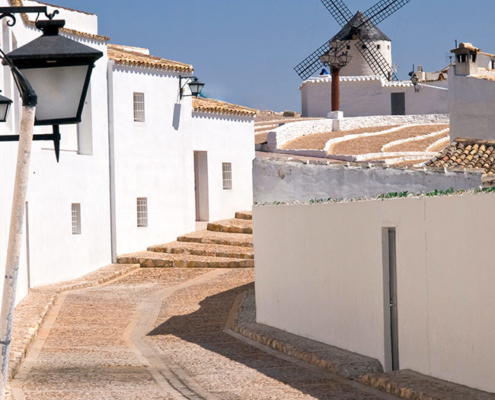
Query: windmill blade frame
[[340, 12], [383, 9], [375, 59]]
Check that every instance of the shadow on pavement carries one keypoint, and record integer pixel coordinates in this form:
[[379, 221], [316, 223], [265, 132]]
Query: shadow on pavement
[[204, 327]]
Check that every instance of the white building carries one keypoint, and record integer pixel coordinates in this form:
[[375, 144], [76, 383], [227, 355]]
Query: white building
[[362, 96], [472, 94], [126, 175]]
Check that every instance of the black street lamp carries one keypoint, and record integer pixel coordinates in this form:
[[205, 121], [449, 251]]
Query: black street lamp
[[59, 70], [195, 86]]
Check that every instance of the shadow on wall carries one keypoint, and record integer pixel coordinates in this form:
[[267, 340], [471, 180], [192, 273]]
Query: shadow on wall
[[176, 120], [204, 327]]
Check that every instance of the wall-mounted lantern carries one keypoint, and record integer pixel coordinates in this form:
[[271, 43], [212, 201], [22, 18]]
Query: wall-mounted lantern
[[195, 86], [5, 104]]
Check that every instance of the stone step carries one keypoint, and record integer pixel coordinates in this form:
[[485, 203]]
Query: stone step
[[228, 239], [204, 249], [148, 259], [244, 215], [233, 225]]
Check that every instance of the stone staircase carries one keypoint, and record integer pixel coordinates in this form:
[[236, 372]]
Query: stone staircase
[[225, 244]]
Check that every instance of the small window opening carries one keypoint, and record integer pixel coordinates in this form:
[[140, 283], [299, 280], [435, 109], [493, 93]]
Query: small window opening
[[492, 64], [142, 212], [227, 176], [378, 46], [473, 57], [363, 46], [462, 58], [348, 47], [76, 219], [139, 107]]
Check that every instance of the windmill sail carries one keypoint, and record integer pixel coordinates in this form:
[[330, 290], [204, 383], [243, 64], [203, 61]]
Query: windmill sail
[[312, 63], [339, 11], [375, 59], [384, 9]]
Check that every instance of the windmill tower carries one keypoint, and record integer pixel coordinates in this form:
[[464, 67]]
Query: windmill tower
[[370, 48]]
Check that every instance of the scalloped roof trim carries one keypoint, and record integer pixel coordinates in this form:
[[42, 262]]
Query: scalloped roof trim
[[221, 107], [125, 56]]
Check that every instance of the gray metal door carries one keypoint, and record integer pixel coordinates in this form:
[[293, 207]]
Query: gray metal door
[[398, 104], [394, 323]]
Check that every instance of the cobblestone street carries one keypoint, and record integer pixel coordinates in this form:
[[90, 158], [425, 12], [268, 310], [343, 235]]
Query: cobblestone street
[[160, 334]]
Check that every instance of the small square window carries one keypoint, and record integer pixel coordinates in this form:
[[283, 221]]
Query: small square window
[[348, 47], [76, 219], [142, 212], [227, 176], [378, 47], [139, 107]]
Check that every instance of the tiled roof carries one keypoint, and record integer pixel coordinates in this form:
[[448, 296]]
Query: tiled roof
[[19, 3], [466, 154], [221, 107], [125, 55]]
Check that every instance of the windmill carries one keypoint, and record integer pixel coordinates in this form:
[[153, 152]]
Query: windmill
[[359, 30]]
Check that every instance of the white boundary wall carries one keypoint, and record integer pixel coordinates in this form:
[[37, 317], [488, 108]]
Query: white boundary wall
[[286, 181], [320, 274], [371, 95], [288, 132]]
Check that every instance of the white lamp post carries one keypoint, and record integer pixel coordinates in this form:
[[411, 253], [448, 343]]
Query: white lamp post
[[58, 71]]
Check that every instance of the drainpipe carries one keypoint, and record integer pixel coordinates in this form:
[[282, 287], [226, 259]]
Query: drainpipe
[[111, 163]]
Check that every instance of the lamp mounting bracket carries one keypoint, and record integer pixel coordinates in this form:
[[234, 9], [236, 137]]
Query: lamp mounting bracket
[[55, 136], [8, 12]]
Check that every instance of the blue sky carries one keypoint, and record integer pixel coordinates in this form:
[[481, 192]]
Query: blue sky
[[245, 50]]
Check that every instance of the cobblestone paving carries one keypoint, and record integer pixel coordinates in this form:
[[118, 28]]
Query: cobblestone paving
[[92, 346]]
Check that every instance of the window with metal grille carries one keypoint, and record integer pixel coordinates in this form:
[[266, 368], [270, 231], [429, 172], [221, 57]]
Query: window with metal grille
[[227, 176], [76, 218], [139, 107], [142, 212]]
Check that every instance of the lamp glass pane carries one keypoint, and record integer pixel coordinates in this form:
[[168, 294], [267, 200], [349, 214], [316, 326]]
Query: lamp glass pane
[[4, 109], [59, 90], [196, 88]]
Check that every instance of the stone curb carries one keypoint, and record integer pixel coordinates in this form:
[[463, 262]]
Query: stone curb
[[341, 362], [408, 384], [31, 312]]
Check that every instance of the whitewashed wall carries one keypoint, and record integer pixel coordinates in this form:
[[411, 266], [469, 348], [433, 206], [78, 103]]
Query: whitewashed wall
[[471, 103], [55, 253], [320, 274], [151, 158], [368, 95], [287, 181], [227, 139]]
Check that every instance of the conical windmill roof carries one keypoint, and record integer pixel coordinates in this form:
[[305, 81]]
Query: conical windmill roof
[[368, 31]]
